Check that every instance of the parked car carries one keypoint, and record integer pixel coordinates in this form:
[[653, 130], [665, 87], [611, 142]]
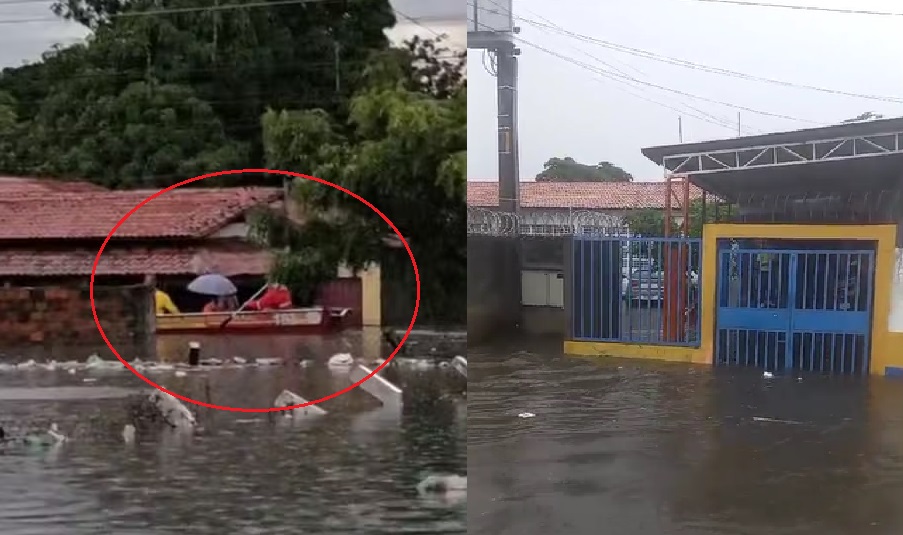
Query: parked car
[[643, 285], [648, 285]]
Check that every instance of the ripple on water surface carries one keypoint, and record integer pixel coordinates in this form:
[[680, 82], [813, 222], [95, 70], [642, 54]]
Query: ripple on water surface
[[240, 474], [628, 447]]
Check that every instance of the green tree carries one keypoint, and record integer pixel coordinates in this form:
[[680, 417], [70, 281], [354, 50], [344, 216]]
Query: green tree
[[403, 149], [148, 135], [231, 64], [568, 170]]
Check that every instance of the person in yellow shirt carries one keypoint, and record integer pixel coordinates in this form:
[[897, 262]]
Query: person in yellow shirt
[[163, 303]]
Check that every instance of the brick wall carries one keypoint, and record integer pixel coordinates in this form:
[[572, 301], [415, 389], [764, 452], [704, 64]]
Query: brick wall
[[55, 322]]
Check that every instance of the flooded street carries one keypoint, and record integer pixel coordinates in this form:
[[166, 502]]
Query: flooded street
[[632, 447], [353, 470]]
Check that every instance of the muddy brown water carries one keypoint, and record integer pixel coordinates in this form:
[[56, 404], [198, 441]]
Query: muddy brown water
[[630, 447]]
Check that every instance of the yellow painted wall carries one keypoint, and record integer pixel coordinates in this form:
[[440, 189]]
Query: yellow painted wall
[[371, 292], [882, 343]]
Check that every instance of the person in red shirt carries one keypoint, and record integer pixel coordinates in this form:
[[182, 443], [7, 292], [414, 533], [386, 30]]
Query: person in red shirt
[[277, 297]]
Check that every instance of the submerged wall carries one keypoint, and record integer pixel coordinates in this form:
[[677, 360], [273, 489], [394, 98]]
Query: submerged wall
[[56, 322]]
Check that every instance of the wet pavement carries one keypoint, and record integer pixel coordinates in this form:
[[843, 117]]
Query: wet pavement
[[351, 471], [632, 447]]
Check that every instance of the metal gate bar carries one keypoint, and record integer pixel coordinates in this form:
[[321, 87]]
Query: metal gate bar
[[786, 309]]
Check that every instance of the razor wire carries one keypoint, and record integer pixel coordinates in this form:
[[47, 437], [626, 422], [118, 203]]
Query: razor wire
[[485, 222]]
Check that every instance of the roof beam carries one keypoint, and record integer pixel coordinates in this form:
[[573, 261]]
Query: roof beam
[[785, 154]]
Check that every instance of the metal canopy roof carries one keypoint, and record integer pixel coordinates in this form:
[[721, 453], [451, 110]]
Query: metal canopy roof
[[835, 159]]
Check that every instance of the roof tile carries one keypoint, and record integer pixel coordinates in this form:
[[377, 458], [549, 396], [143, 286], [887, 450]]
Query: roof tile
[[181, 213], [582, 195]]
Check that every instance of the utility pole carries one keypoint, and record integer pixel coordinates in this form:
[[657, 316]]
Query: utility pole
[[680, 129], [506, 86], [495, 34]]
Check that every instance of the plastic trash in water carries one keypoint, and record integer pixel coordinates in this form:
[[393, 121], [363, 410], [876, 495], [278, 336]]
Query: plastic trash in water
[[341, 361], [128, 434], [55, 435], [767, 375], [526, 415], [288, 398]]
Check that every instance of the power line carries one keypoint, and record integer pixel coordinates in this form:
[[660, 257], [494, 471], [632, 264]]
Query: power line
[[805, 8], [665, 88], [696, 112], [622, 76], [637, 52], [220, 7]]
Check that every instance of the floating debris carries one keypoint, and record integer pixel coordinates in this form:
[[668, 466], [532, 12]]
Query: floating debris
[[341, 361], [128, 434], [55, 435], [526, 415], [767, 375], [288, 398], [442, 483], [173, 411], [774, 420]]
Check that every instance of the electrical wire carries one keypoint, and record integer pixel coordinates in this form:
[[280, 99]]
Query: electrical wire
[[695, 112], [844, 11], [625, 77], [221, 7], [665, 88], [637, 52]]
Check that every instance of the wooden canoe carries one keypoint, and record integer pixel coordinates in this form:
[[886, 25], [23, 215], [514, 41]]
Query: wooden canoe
[[313, 320]]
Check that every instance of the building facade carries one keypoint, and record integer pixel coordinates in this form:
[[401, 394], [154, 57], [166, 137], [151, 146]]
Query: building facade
[[550, 213], [50, 235]]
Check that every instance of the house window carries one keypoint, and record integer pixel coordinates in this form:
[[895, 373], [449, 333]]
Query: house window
[[542, 289]]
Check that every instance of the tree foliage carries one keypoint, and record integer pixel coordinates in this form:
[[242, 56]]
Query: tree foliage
[[650, 222], [154, 99], [568, 170], [402, 148]]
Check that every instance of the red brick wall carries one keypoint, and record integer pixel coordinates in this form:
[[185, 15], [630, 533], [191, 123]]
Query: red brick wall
[[55, 322]]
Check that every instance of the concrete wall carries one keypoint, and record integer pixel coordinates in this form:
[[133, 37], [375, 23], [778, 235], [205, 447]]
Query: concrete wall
[[544, 321], [47, 323], [493, 286]]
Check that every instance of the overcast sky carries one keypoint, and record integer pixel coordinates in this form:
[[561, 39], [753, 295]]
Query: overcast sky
[[568, 110], [28, 27]]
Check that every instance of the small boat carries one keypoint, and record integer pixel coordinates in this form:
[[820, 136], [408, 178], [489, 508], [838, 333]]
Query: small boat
[[311, 320]]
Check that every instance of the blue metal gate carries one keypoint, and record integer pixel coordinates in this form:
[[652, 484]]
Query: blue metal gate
[[788, 309]]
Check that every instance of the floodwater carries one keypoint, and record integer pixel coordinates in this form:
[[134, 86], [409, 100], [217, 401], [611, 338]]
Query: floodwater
[[632, 447], [354, 470]]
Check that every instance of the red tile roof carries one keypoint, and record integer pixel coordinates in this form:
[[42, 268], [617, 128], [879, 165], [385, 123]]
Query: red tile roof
[[228, 261], [181, 213], [583, 195]]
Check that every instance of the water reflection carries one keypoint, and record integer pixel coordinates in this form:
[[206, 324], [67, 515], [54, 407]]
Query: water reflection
[[652, 448], [242, 473]]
